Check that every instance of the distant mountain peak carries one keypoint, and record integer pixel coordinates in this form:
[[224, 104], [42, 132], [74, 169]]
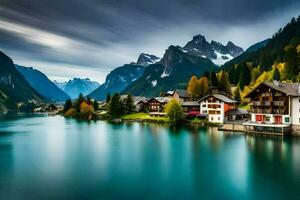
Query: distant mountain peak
[[215, 51], [147, 59], [75, 86]]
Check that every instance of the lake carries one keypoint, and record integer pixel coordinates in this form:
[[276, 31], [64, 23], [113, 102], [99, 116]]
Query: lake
[[45, 157]]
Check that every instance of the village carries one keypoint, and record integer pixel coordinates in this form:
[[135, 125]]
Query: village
[[273, 108]]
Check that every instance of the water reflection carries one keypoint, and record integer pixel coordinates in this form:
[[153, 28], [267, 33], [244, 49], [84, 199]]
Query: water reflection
[[101, 160]]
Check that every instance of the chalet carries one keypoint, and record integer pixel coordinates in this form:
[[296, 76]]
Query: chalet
[[140, 103], [275, 108], [191, 108], [215, 106], [157, 104], [179, 95]]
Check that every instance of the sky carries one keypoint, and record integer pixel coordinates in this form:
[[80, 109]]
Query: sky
[[88, 38]]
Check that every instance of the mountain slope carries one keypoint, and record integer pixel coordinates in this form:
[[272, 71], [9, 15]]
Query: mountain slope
[[42, 84], [77, 85], [215, 51], [13, 86], [173, 71], [282, 51], [119, 78]]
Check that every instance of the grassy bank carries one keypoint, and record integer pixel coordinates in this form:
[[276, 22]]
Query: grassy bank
[[144, 117]]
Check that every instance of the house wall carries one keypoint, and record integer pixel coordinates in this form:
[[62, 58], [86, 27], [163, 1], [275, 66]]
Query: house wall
[[295, 110], [215, 115], [270, 118]]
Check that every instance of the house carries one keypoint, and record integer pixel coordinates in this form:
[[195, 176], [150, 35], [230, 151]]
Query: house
[[139, 102], [275, 108], [179, 95], [157, 104], [191, 108], [237, 114], [215, 106]]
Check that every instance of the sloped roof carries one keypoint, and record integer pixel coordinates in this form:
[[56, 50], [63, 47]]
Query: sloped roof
[[182, 93], [220, 97], [290, 89], [161, 99], [191, 103], [238, 111]]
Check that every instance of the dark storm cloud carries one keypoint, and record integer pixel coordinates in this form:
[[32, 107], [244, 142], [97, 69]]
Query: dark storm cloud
[[100, 34]]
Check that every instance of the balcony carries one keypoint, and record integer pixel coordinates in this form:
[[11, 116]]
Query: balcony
[[261, 103], [278, 103], [256, 103], [266, 103], [270, 111]]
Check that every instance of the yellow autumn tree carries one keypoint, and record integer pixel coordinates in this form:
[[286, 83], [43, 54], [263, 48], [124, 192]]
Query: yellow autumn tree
[[203, 86], [193, 87]]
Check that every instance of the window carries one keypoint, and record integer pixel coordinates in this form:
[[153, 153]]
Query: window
[[299, 100], [299, 120], [268, 118], [204, 105], [212, 118], [219, 118], [287, 120]]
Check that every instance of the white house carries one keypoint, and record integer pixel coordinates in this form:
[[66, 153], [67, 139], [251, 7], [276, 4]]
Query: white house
[[215, 106]]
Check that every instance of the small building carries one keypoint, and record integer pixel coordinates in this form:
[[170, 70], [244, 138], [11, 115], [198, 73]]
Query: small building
[[275, 108], [215, 106], [191, 108], [157, 104], [179, 95], [237, 115]]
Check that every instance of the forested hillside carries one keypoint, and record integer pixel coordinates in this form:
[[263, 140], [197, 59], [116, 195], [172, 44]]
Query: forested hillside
[[279, 59]]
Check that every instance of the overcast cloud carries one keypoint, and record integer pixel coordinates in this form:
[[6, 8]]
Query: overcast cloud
[[88, 38]]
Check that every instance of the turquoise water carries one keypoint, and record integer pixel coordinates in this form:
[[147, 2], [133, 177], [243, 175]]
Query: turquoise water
[[55, 158]]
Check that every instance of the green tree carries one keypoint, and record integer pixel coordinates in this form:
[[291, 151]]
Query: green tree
[[224, 82], [67, 106], [245, 77], [276, 74], [129, 105], [78, 102], [255, 73], [174, 111], [237, 95], [108, 98], [115, 106], [96, 105], [214, 79]]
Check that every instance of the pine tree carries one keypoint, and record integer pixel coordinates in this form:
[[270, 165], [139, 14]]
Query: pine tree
[[129, 105], [237, 95], [96, 105], [213, 79], [67, 106], [245, 77], [224, 82], [115, 106], [276, 74], [78, 102], [108, 98]]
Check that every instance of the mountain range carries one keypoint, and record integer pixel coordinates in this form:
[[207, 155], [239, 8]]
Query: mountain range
[[118, 79], [215, 51], [14, 89], [76, 86], [179, 64], [42, 84]]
